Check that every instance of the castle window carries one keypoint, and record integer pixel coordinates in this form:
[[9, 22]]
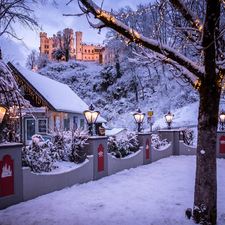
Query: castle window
[[92, 51], [88, 51], [80, 49], [88, 57], [92, 57], [85, 50]]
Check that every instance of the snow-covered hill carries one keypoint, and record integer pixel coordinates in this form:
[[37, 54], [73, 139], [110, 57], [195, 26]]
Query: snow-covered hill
[[117, 97]]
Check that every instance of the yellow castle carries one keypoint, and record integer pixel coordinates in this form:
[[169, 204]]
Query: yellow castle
[[84, 51]]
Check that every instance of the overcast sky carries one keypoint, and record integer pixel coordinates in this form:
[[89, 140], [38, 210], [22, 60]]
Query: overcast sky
[[52, 20]]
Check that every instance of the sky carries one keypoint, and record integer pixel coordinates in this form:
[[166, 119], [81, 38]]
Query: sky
[[51, 20]]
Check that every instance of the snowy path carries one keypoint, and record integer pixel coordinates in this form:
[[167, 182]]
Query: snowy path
[[154, 194]]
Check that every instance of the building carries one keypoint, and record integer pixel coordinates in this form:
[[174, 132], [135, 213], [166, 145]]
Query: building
[[84, 51], [55, 105], [47, 45]]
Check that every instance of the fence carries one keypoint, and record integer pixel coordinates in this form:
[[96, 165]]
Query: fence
[[20, 184]]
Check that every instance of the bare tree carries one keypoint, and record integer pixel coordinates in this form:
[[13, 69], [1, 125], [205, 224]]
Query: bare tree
[[32, 60], [64, 41], [18, 12], [199, 26]]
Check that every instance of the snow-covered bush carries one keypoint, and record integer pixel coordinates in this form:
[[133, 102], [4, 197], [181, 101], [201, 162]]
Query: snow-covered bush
[[78, 140], [157, 142], [188, 135], [69, 144], [61, 141], [124, 145], [39, 155]]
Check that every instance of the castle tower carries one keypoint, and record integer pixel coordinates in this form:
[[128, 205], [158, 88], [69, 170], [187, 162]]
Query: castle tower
[[43, 37], [79, 45]]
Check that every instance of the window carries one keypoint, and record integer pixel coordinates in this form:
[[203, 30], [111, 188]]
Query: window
[[30, 129], [42, 125], [57, 124], [80, 49], [75, 120], [82, 123], [66, 124], [92, 51], [22, 91], [85, 50], [88, 51]]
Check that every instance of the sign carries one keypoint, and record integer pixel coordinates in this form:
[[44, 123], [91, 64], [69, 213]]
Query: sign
[[150, 113], [150, 119], [222, 144], [6, 176], [100, 158], [147, 149]]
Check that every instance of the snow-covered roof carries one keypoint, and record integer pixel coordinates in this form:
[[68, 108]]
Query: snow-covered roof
[[114, 131], [60, 96]]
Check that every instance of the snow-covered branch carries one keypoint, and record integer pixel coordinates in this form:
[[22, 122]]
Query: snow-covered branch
[[187, 13], [185, 75], [109, 20]]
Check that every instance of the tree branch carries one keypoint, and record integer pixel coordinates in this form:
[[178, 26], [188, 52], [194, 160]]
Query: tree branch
[[139, 39]]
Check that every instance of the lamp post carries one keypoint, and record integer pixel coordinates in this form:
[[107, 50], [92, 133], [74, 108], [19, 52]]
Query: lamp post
[[169, 118], [91, 117], [139, 117], [222, 119]]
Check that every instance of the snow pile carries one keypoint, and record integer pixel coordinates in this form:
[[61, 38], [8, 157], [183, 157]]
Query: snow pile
[[154, 194]]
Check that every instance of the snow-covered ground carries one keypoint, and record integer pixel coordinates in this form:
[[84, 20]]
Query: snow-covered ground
[[154, 194]]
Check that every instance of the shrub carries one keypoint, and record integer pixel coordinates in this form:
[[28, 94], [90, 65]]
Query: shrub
[[188, 135], [69, 144], [39, 155], [124, 145], [61, 143], [76, 152], [157, 142]]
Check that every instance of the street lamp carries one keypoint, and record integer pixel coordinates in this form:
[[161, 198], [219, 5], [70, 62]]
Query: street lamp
[[2, 113], [222, 119], [139, 117], [91, 117], [169, 118]]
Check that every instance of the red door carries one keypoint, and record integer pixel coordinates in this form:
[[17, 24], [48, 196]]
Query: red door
[[147, 149], [6, 176], [222, 144], [100, 158]]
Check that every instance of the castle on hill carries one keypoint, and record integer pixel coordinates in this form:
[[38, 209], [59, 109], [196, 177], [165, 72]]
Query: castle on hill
[[83, 51]]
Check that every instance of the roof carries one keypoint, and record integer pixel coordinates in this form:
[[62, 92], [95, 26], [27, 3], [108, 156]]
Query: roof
[[60, 97], [114, 131]]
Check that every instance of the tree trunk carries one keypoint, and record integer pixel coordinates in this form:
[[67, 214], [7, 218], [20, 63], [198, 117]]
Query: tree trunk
[[205, 199]]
